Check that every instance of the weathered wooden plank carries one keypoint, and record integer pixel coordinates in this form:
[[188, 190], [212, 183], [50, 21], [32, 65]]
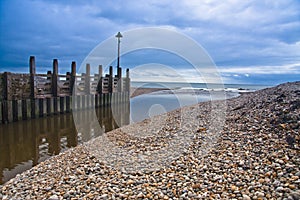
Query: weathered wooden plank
[[88, 101], [41, 107], [87, 83], [49, 106], [104, 99], [4, 111], [1, 88], [1, 112], [113, 96], [37, 109], [73, 77], [19, 110], [83, 106], [10, 111], [32, 71], [96, 102], [28, 106], [127, 89], [91, 101], [24, 109], [41, 75], [110, 82], [54, 77], [62, 104], [5, 85], [78, 102], [32, 108], [14, 110], [44, 106], [55, 105], [68, 104]]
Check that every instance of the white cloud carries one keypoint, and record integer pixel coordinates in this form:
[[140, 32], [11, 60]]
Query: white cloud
[[246, 14], [248, 70], [162, 73]]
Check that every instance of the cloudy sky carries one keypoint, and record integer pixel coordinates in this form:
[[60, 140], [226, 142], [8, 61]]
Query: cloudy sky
[[249, 41]]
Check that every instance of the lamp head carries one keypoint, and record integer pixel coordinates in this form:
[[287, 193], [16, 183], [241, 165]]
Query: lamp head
[[119, 35]]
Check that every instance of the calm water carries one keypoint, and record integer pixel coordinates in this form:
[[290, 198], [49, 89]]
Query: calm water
[[179, 95], [197, 86], [24, 144]]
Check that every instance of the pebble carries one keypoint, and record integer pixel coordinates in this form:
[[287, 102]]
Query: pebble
[[260, 194], [295, 195], [54, 197], [249, 158], [280, 189]]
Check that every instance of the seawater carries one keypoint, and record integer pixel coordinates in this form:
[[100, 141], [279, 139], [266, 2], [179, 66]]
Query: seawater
[[24, 144], [178, 95], [178, 85]]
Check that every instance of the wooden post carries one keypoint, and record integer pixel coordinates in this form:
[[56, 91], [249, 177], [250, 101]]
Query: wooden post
[[24, 109], [15, 110], [119, 72], [68, 103], [104, 99], [1, 114], [54, 78], [120, 79], [87, 85], [110, 82], [78, 102], [54, 85], [127, 80], [101, 100], [92, 100], [100, 70], [10, 110], [83, 105], [32, 108], [49, 75], [4, 112], [41, 107], [73, 77], [68, 77], [32, 70], [96, 100], [48, 103], [5, 85], [100, 74], [62, 104]]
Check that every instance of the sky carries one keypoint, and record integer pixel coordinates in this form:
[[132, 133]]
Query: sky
[[250, 42]]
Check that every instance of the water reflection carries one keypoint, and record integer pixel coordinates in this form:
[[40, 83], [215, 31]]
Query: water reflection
[[24, 144]]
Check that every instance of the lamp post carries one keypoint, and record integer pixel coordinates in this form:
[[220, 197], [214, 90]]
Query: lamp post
[[119, 35]]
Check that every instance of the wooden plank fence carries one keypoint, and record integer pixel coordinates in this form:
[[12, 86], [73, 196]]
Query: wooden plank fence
[[25, 96]]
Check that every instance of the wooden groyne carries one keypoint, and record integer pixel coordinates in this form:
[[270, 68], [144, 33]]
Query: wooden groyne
[[27, 143], [25, 96]]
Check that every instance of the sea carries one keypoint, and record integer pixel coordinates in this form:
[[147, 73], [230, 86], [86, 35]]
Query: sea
[[177, 95]]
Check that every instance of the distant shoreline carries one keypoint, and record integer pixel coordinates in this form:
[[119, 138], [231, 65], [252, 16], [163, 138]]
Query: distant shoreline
[[139, 91]]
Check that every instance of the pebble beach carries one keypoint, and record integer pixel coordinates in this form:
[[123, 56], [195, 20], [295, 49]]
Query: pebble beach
[[254, 155]]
